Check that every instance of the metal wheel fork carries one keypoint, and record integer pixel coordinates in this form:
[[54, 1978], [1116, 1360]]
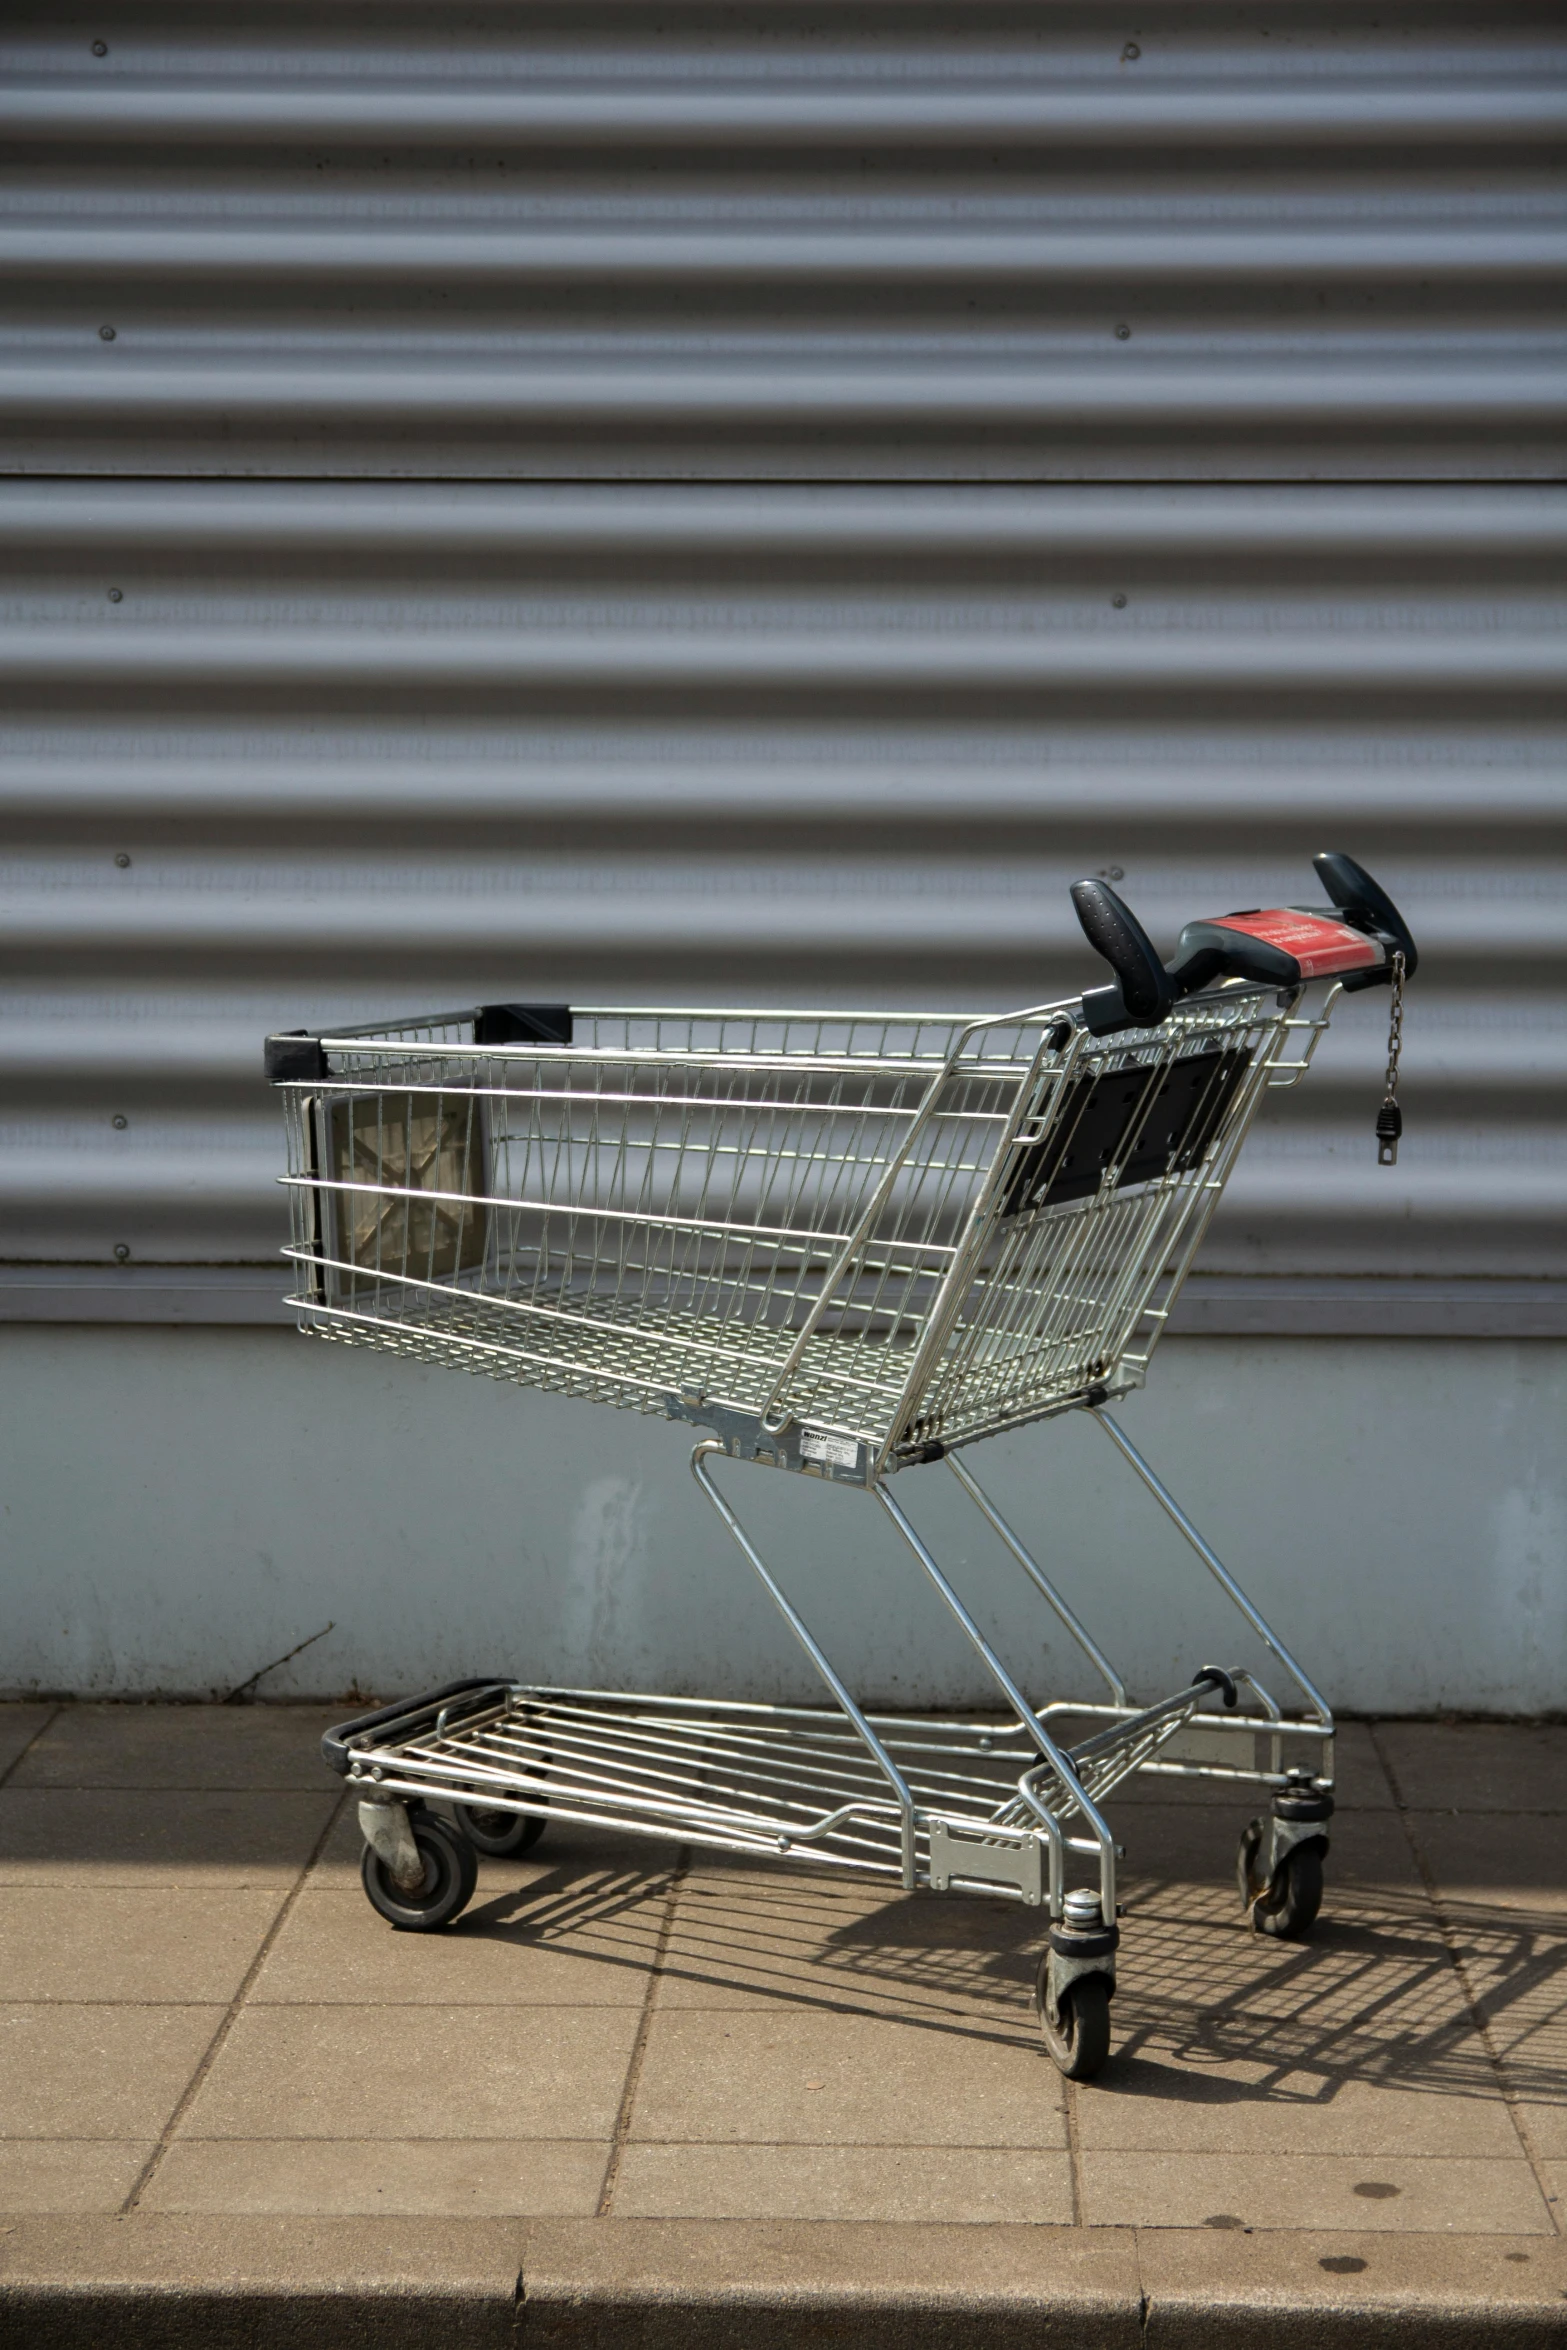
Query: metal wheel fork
[[384, 1827]]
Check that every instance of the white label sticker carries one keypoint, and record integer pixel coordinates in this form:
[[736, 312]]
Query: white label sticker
[[834, 1452]]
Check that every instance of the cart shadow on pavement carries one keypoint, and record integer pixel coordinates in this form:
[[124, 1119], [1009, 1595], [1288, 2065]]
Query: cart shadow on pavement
[[1375, 2000], [1385, 1992], [568, 1904]]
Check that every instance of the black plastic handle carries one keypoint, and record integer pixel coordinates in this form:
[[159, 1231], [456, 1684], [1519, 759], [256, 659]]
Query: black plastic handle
[[335, 1742], [1144, 994], [1352, 888], [1145, 990]]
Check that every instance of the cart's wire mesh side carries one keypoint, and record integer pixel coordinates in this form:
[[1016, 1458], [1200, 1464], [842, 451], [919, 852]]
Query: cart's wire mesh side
[[901, 1229], [1066, 1295]]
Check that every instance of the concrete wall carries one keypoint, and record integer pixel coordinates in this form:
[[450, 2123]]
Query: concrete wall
[[182, 1506]]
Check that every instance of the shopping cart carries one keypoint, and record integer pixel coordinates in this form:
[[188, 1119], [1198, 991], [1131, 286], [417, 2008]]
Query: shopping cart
[[843, 1244]]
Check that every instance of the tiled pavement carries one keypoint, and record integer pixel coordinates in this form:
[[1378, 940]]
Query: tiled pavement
[[202, 2016]]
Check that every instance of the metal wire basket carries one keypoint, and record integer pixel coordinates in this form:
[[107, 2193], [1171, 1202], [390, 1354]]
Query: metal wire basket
[[859, 1236]]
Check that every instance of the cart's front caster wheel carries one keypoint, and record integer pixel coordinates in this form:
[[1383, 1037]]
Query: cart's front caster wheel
[[502, 1835], [451, 1871], [1290, 1904], [1079, 2041]]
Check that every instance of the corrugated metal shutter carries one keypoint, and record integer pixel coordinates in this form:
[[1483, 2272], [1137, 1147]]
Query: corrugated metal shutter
[[1045, 448], [864, 241]]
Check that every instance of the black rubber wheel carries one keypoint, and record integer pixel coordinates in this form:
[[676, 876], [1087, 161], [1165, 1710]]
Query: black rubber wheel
[[451, 1871], [502, 1835], [1290, 1905], [1079, 2044]]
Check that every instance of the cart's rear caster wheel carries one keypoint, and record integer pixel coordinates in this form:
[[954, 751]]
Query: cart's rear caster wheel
[[451, 1871], [1080, 2042], [1289, 1906], [502, 1835]]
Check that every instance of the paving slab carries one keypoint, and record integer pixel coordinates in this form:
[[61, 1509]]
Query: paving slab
[[97, 2072], [1515, 1969], [1546, 2124], [818, 2079], [1381, 2193], [924, 2183], [1478, 1766], [83, 1836], [458, 2177], [1499, 1864], [1140, 2105], [70, 2174], [246, 1747], [19, 1726], [414, 2072], [139, 1943], [499, 1953], [744, 1937]]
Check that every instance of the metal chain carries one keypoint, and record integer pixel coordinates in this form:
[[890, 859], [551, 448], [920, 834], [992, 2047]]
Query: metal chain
[[1395, 1026], [1390, 1119]]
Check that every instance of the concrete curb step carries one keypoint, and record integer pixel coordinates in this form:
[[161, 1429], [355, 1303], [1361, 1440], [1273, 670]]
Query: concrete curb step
[[155, 2282]]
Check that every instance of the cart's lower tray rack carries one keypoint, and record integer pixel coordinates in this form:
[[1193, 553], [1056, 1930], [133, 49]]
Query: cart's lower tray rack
[[771, 1779]]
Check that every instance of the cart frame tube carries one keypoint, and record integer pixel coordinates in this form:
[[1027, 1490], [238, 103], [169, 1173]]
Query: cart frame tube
[[1037, 1577], [813, 1650], [1215, 1566], [1059, 1761]]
